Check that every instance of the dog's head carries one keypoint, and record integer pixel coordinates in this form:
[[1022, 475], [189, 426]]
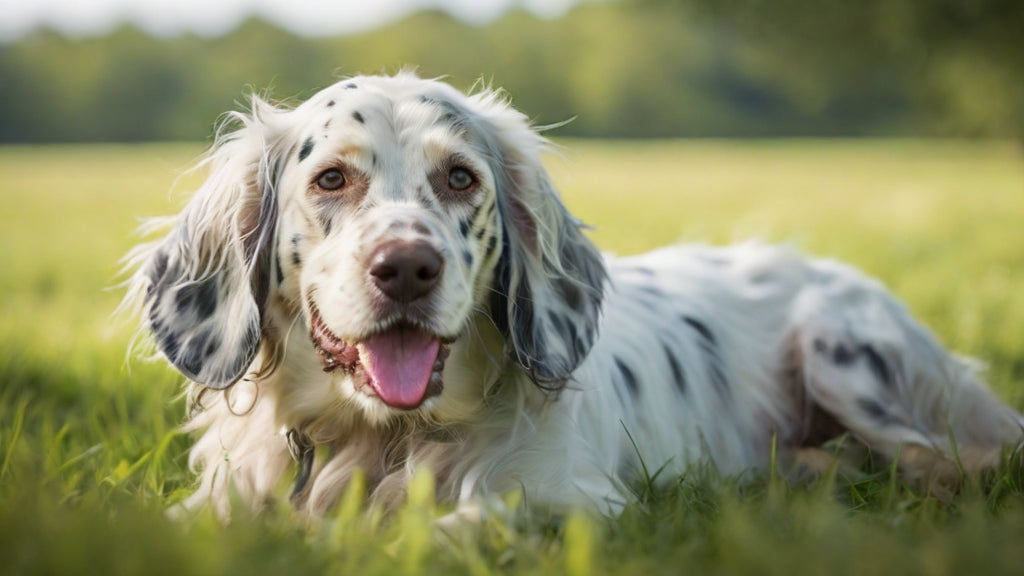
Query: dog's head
[[386, 214]]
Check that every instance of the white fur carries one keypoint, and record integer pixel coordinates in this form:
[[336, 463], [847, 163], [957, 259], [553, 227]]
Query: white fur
[[701, 354]]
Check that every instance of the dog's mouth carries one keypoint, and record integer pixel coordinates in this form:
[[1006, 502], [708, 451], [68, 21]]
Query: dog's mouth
[[401, 365]]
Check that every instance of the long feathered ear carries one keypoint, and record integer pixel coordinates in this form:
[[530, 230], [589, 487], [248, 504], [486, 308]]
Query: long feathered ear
[[549, 283], [203, 287]]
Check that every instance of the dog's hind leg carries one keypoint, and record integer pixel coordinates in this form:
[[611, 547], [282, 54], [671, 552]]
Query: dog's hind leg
[[868, 364]]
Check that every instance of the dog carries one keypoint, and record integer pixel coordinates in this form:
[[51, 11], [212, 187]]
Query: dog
[[383, 279]]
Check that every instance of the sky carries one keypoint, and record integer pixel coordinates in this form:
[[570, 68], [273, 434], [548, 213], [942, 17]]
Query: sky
[[83, 18]]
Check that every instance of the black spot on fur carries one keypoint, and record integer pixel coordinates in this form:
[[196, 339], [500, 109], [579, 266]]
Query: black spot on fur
[[628, 377], [677, 371], [200, 298], [583, 342], [327, 125], [480, 233], [307, 148], [279, 270], [192, 357], [571, 293], [492, 244], [467, 258], [714, 363], [872, 408], [211, 347], [167, 341], [259, 280], [561, 326], [877, 411], [701, 328], [206, 298], [843, 356], [330, 104], [375, 161], [464, 228], [878, 366], [358, 117], [499, 296], [820, 346], [296, 240], [351, 86], [183, 299]]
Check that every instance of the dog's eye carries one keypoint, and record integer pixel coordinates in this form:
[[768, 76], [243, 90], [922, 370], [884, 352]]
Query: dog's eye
[[460, 179], [332, 179]]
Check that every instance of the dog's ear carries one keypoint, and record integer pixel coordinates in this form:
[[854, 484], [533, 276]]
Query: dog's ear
[[204, 285], [550, 278]]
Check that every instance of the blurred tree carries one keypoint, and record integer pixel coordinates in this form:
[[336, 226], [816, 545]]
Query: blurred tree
[[960, 63], [633, 68]]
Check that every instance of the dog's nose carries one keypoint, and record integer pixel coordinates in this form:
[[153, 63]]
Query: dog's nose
[[404, 270]]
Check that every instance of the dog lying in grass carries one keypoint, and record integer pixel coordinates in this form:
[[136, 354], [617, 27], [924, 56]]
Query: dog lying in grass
[[384, 279]]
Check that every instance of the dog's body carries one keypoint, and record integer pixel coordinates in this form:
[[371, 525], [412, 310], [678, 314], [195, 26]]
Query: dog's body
[[383, 279]]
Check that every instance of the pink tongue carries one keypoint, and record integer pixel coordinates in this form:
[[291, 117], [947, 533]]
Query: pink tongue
[[399, 363]]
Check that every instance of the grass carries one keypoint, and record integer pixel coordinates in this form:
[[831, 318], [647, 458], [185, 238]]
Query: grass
[[90, 458]]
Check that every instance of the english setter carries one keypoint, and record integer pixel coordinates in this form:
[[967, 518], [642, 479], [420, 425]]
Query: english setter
[[383, 278]]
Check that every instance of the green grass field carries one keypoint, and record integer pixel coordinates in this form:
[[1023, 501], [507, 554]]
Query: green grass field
[[89, 456]]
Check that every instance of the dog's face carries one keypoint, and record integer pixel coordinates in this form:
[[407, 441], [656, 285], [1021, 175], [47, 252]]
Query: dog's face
[[384, 216], [390, 231]]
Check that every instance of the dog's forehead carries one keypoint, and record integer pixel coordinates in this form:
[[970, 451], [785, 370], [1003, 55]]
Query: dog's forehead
[[401, 102], [383, 118]]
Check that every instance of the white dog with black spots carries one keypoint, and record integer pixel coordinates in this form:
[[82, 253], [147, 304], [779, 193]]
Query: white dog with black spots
[[384, 279]]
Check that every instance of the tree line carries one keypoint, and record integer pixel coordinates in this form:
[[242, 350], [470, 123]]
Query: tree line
[[645, 68]]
